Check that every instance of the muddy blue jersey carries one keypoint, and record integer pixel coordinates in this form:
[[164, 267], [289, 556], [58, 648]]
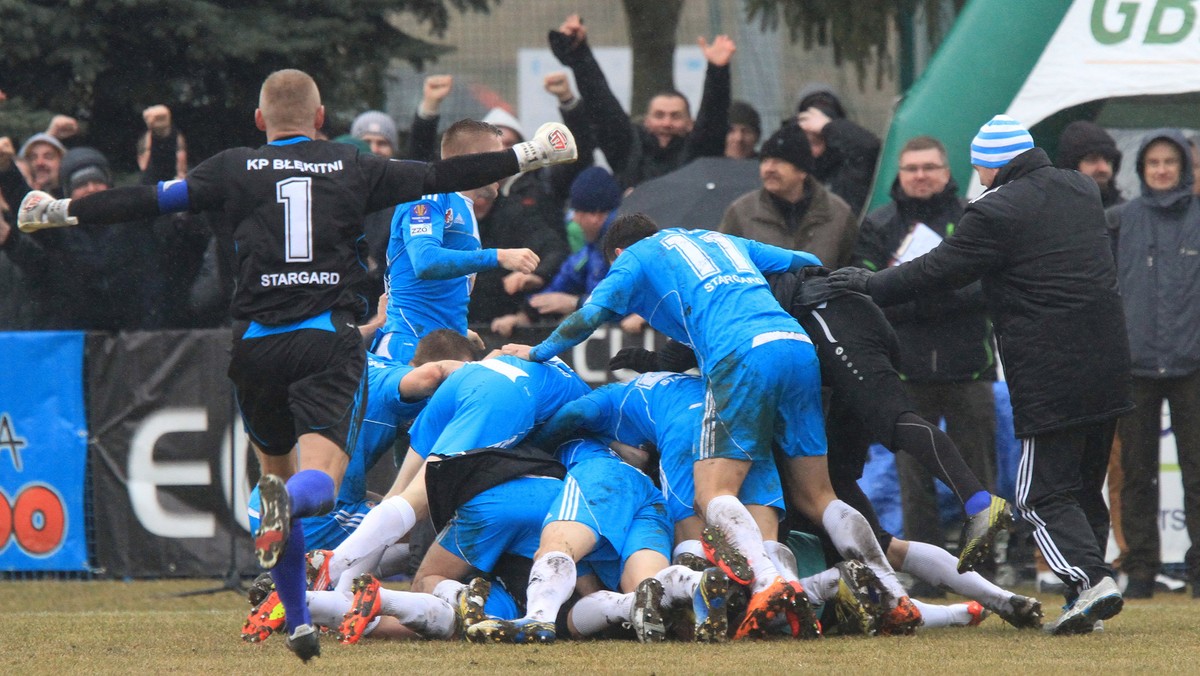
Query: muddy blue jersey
[[702, 288]]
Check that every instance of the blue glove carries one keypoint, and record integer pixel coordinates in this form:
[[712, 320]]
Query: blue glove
[[851, 279]]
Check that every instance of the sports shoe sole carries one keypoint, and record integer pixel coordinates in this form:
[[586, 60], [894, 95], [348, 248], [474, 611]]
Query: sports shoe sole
[[365, 609], [713, 590], [765, 606], [977, 548], [1084, 622], [491, 631], [471, 601], [274, 521], [902, 620], [1026, 613], [801, 616], [723, 555], [265, 619], [305, 642], [648, 624]]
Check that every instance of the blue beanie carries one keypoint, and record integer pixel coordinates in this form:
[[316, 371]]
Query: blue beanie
[[998, 141], [594, 189]]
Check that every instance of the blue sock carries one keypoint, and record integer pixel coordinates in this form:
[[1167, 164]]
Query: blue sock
[[291, 581], [974, 504], [312, 493]]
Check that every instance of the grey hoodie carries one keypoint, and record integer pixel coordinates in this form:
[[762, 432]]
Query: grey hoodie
[[1156, 241]]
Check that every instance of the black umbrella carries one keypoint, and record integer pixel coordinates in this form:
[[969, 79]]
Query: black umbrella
[[694, 195]]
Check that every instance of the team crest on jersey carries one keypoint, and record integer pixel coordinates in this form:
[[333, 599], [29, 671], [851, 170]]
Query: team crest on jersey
[[419, 221], [449, 216]]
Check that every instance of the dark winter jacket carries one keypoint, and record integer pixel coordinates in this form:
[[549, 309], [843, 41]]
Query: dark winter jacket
[[847, 166], [1157, 244], [944, 337], [634, 153], [1037, 241], [826, 228]]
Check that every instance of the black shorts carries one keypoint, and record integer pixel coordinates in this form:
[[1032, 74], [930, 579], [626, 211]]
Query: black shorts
[[857, 348], [307, 380]]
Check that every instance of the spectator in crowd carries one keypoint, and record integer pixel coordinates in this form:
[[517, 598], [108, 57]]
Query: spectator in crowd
[[379, 131], [545, 190], [43, 156], [1085, 147], [845, 152], [595, 197], [101, 278], [945, 339], [422, 139], [1156, 238], [793, 210], [668, 137], [508, 222], [745, 129], [16, 312]]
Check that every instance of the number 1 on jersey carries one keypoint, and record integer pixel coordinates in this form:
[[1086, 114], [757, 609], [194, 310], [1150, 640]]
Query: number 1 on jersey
[[295, 194], [699, 260]]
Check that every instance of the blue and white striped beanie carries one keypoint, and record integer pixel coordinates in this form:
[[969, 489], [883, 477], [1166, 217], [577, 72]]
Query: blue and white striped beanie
[[998, 141]]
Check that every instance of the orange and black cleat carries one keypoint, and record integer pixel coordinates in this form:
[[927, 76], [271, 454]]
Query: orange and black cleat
[[366, 607], [766, 606], [901, 620], [725, 556], [265, 619]]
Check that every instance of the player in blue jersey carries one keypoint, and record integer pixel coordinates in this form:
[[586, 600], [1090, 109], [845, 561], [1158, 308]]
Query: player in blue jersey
[[491, 403], [434, 253], [762, 383]]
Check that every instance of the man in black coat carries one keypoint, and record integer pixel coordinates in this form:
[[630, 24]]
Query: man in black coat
[[1037, 240]]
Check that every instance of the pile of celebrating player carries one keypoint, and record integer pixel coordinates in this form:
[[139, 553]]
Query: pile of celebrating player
[[551, 521]]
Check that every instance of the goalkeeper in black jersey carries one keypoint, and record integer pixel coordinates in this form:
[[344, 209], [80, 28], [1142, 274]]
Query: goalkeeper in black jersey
[[296, 206]]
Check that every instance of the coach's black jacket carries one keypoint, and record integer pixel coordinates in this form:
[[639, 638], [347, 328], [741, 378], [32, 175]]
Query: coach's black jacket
[[1037, 240]]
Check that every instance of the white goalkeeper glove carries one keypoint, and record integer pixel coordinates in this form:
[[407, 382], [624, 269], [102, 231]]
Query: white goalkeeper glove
[[551, 144], [40, 210]]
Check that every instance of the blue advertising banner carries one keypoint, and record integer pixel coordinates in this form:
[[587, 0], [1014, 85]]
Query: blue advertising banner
[[43, 452]]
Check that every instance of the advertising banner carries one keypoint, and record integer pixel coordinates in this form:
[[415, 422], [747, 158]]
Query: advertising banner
[[43, 452]]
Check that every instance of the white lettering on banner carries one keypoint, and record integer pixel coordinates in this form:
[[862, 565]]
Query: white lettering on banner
[[146, 475], [238, 495]]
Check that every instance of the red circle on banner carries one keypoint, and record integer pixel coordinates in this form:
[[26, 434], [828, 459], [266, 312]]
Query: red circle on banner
[[38, 520], [6, 521]]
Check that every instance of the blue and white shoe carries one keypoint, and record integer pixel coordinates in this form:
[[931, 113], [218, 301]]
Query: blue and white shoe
[[1099, 602]]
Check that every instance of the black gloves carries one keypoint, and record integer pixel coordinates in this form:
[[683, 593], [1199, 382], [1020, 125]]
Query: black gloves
[[851, 279], [634, 358]]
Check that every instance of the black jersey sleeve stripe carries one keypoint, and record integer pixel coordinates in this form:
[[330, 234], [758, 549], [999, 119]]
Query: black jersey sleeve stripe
[[467, 172], [118, 205]]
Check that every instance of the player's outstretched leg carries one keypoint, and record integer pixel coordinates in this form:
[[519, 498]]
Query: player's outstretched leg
[[366, 608]]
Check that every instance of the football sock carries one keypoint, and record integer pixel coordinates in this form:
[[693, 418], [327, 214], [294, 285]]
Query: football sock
[[953, 615], [425, 614], [977, 503], [732, 517], [679, 584], [600, 610], [783, 558], [854, 539], [447, 590], [328, 607], [291, 580], [688, 547], [940, 568], [362, 551], [312, 492], [551, 581], [822, 586], [937, 453], [394, 559]]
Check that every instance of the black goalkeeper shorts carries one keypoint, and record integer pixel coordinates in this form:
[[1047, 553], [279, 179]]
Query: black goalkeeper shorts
[[301, 381]]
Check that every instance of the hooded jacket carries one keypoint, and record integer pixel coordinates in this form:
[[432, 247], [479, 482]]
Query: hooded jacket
[[1156, 241], [1037, 241], [944, 337], [1082, 138]]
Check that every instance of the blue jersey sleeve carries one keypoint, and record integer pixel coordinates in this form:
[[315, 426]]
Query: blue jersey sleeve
[[423, 226], [771, 259], [589, 413], [572, 331]]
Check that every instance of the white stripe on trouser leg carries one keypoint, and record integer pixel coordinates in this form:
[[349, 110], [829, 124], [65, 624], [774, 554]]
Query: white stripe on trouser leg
[[707, 426], [1054, 557], [570, 500]]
